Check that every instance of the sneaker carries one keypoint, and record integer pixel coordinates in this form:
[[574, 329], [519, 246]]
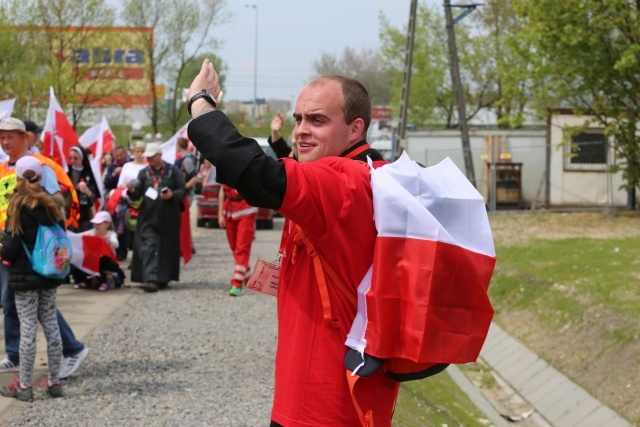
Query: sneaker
[[7, 365], [104, 287], [80, 285], [235, 291], [14, 390], [71, 364], [54, 390], [150, 287]]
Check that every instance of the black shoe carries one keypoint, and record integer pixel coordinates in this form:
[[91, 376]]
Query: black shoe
[[150, 287], [163, 286], [193, 250]]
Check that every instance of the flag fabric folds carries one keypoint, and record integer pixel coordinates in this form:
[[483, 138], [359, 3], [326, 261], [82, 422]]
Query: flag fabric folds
[[87, 250], [425, 298], [6, 108], [99, 140], [58, 136], [169, 148]]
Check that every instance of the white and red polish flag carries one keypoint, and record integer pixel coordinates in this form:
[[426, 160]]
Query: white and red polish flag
[[58, 136], [87, 250], [169, 148], [99, 140], [425, 298]]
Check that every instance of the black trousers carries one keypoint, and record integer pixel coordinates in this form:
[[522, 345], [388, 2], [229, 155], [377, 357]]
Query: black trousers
[[107, 264]]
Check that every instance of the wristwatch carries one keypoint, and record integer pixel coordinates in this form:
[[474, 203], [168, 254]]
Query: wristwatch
[[204, 94]]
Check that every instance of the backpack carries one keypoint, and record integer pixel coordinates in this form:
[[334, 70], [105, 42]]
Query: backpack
[[180, 165], [51, 257], [423, 304]]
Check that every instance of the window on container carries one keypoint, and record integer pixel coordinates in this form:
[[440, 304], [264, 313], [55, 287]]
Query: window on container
[[587, 151]]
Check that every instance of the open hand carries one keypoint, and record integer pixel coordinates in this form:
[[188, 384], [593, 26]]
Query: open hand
[[207, 79]]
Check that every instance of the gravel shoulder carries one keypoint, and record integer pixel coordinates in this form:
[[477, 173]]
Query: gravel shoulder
[[189, 356]]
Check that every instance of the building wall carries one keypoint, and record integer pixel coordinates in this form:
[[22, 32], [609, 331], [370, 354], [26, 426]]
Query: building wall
[[526, 146], [584, 187]]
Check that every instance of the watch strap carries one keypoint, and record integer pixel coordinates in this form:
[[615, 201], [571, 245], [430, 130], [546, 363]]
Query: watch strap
[[202, 94]]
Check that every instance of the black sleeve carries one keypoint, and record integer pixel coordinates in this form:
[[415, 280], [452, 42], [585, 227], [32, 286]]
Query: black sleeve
[[280, 147], [110, 181], [11, 247], [140, 186], [240, 162]]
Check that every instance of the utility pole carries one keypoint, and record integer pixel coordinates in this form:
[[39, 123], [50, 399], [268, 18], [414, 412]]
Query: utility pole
[[457, 84], [406, 79]]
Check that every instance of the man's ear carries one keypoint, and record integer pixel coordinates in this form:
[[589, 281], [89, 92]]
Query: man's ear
[[357, 131]]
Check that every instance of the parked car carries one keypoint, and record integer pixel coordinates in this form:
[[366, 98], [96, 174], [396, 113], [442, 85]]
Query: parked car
[[207, 201]]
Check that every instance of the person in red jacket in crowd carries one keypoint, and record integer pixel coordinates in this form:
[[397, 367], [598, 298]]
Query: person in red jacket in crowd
[[326, 199], [239, 219]]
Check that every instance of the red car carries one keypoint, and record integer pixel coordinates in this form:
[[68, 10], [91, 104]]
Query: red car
[[207, 204]]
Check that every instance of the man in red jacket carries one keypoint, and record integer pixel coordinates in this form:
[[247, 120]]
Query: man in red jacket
[[327, 201]]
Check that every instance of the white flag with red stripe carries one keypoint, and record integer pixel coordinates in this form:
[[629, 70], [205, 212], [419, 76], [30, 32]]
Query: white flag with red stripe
[[99, 140], [58, 136], [425, 298], [87, 250], [169, 148], [6, 108]]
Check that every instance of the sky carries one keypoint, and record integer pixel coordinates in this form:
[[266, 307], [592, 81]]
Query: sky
[[292, 34]]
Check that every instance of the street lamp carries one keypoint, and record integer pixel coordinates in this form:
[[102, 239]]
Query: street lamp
[[254, 112]]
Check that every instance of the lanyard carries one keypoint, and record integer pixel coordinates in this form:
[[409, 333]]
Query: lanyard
[[357, 151], [286, 230], [158, 177]]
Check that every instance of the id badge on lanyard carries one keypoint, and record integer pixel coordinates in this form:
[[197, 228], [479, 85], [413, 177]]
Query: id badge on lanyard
[[265, 276]]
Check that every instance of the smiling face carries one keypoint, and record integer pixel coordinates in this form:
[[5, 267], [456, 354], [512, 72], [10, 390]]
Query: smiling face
[[320, 129]]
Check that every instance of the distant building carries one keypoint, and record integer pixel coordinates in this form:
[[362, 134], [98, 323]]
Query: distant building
[[266, 108]]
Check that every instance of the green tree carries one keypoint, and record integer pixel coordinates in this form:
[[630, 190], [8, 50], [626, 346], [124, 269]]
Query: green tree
[[180, 30], [41, 42], [189, 72], [586, 54], [364, 65], [505, 68], [21, 72], [432, 98]]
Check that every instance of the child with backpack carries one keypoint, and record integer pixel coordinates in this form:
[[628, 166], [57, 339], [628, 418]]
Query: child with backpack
[[32, 207]]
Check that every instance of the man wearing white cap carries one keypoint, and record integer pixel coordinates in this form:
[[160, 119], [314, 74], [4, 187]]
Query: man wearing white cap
[[156, 246], [14, 143]]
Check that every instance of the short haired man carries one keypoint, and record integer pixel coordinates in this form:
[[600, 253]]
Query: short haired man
[[13, 139], [33, 132], [326, 199], [112, 175]]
